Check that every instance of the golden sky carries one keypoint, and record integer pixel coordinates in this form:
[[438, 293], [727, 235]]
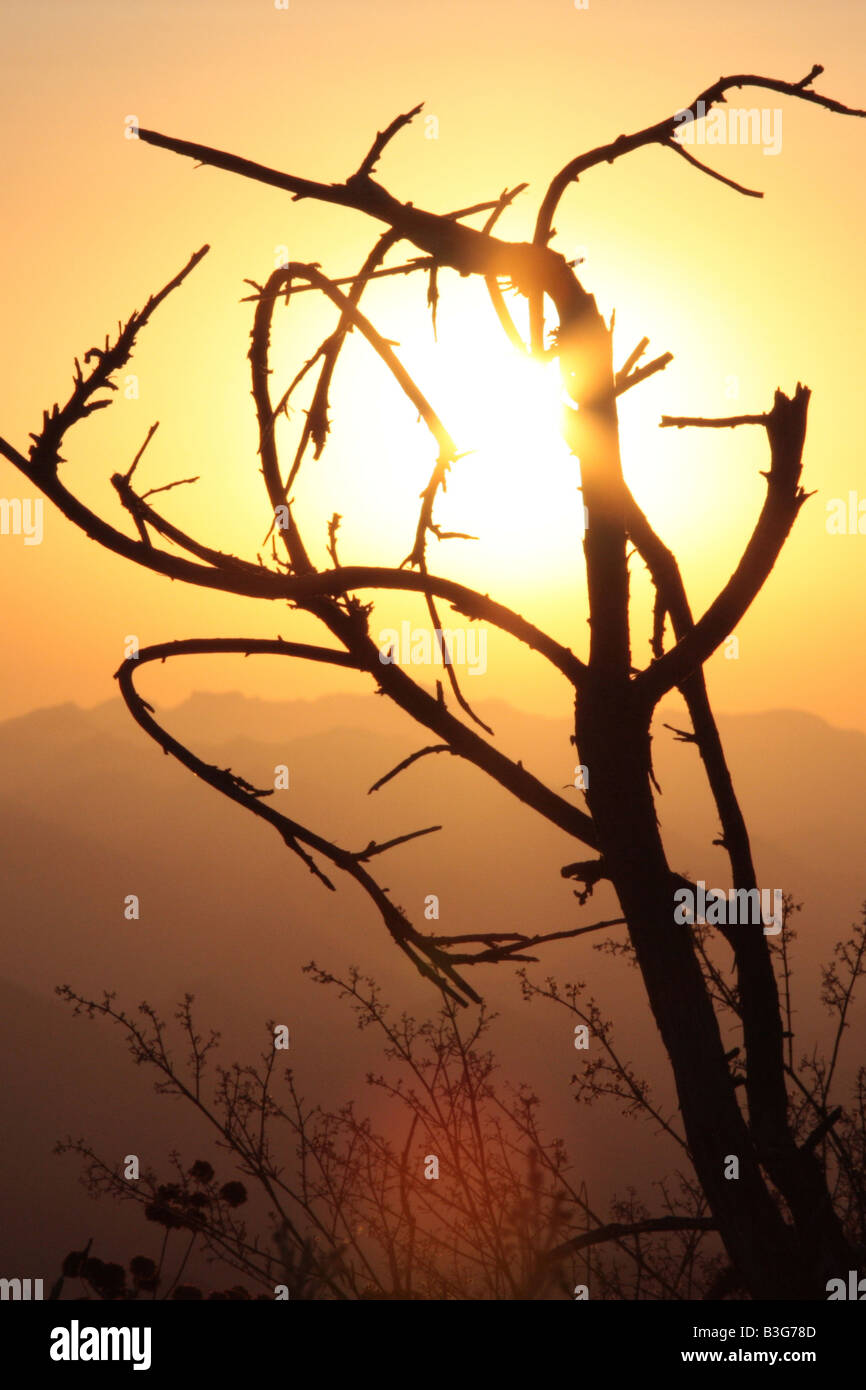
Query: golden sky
[[748, 295]]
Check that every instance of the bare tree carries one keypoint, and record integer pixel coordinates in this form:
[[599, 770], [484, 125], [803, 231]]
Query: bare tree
[[347, 1212], [777, 1221], [354, 1214]]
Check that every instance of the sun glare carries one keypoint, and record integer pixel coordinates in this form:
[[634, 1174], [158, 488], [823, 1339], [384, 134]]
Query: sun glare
[[517, 488]]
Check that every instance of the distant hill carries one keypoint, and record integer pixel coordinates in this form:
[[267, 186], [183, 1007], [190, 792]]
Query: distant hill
[[92, 811]]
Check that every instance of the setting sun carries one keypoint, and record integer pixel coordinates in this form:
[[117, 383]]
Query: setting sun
[[503, 409]]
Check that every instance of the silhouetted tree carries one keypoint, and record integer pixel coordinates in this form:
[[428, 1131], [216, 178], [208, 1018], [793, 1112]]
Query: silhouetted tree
[[777, 1220], [354, 1213]]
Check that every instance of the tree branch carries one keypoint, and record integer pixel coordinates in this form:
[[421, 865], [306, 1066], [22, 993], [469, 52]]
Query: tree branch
[[617, 1231], [786, 428], [428, 959]]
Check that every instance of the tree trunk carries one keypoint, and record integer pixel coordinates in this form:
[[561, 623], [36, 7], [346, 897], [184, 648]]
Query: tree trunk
[[771, 1257], [613, 741]]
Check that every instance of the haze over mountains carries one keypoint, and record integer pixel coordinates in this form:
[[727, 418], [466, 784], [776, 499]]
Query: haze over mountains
[[92, 811]]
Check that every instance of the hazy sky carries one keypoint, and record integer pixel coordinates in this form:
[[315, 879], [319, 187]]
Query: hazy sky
[[748, 295]]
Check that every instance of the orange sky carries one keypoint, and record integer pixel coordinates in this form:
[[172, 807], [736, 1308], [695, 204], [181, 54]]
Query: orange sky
[[747, 294]]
